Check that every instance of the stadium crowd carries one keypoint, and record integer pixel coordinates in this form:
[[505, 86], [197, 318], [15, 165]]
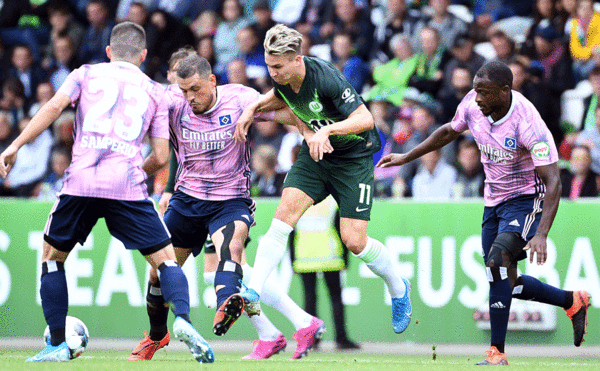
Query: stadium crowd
[[412, 61]]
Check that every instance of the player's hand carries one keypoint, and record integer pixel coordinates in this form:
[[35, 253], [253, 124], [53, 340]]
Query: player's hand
[[319, 144], [243, 125], [164, 202], [7, 160], [393, 159], [537, 245]]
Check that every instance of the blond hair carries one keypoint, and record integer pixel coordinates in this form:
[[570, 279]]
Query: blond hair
[[281, 40]]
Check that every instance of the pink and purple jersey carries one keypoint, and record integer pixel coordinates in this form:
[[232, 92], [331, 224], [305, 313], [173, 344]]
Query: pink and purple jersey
[[212, 165], [510, 148], [117, 104]]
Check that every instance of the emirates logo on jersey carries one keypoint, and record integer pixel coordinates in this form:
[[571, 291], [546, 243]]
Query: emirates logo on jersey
[[315, 106]]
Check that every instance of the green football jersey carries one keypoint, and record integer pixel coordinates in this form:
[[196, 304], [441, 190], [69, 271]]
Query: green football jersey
[[324, 98]]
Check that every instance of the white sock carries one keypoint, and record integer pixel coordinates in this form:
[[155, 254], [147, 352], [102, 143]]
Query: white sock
[[377, 258], [209, 278], [266, 329], [269, 253], [274, 296]]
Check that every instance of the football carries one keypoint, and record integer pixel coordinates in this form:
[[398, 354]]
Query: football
[[76, 336]]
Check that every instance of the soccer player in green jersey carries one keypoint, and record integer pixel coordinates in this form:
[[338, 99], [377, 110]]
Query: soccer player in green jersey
[[336, 158]]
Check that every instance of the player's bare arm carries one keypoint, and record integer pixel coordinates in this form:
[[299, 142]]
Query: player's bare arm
[[40, 122], [551, 178], [159, 156], [439, 138], [269, 102], [357, 122]]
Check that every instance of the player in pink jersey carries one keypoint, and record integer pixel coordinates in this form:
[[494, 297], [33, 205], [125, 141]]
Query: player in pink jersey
[[522, 192], [116, 106], [212, 198]]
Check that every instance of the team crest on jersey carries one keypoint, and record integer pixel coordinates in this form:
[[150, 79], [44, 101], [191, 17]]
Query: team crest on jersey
[[225, 120], [315, 106], [510, 143]]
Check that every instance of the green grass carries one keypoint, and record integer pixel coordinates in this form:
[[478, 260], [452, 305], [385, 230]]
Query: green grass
[[14, 360]]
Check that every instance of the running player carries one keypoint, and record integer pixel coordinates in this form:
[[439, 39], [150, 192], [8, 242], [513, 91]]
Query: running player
[[117, 105], [212, 198], [522, 192], [336, 158]]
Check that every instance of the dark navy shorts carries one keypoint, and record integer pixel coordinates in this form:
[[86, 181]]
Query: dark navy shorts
[[135, 223], [191, 220], [521, 215]]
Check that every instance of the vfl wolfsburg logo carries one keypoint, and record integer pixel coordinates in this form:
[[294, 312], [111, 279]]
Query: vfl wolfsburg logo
[[315, 106]]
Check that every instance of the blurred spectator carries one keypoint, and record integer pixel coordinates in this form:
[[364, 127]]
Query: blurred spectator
[[182, 10], [352, 66], [391, 79], [558, 69], [449, 26], [463, 54], [63, 130], [528, 81], [263, 20], [206, 24], [347, 17], [13, 100], [461, 84], [545, 11], [27, 70], [125, 5], [206, 49], [434, 179], [590, 137], [470, 177], [503, 45], [31, 165], [22, 23], [590, 103], [5, 63], [305, 16], [396, 19], [97, 35], [567, 11], [579, 180], [225, 41], [170, 36], [63, 61], [44, 93], [584, 39], [267, 132], [62, 25], [266, 181], [429, 73], [7, 132], [422, 124], [60, 159], [237, 74], [486, 12], [253, 54]]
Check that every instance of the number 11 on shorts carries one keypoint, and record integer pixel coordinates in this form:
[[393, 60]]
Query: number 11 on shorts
[[365, 193]]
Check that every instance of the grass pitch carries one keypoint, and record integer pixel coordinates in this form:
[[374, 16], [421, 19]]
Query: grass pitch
[[14, 360]]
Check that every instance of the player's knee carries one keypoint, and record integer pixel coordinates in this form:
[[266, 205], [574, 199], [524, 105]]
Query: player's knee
[[355, 242], [496, 267]]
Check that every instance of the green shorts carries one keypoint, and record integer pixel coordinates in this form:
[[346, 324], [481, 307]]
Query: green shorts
[[348, 180]]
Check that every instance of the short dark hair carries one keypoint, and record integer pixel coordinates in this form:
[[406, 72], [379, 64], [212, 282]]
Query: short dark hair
[[127, 40], [193, 64], [595, 71], [497, 72], [179, 54]]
